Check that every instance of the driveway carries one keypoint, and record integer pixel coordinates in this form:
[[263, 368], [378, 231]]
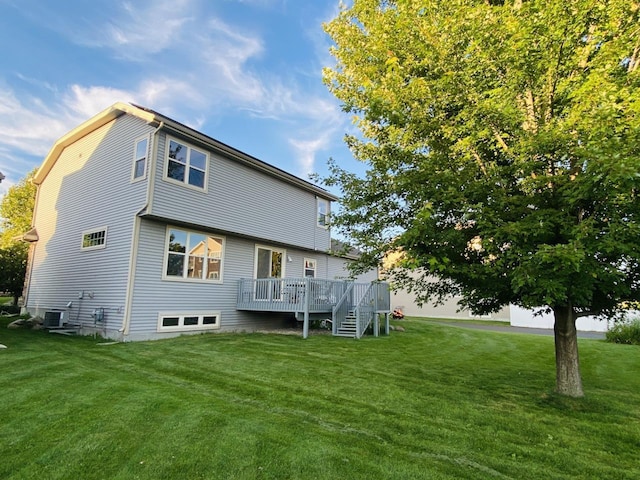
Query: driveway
[[509, 329]]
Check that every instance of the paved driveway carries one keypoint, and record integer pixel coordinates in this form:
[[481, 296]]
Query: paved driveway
[[510, 329]]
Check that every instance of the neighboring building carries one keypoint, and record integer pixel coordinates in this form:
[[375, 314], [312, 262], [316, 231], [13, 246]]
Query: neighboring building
[[145, 228], [522, 317], [405, 301], [515, 316]]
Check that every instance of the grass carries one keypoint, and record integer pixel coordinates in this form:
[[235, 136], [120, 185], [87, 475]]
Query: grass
[[432, 402]]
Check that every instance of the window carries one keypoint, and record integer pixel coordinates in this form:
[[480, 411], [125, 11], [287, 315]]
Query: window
[[323, 213], [175, 322], [185, 164], [310, 267], [193, 256], [94, 239], [140, 158]]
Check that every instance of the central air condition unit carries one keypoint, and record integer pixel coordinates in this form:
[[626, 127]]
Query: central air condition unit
[[53, 319]]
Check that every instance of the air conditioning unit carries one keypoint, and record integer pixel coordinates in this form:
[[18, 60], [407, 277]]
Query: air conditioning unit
[[53, 319]]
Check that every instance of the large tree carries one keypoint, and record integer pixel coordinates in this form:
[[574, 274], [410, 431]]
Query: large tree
[[16, 212], [502, 144]]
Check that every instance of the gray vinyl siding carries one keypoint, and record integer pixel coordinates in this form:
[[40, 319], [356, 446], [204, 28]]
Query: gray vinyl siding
[[338, 270], [241, 200], [89, 187], [152, 295]]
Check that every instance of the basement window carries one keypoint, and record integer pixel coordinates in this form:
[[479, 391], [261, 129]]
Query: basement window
[[179, 322]]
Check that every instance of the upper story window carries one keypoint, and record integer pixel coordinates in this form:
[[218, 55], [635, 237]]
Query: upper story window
[[140, 158], [310, 267], [186, 164], [193, 256], [94, 239], [323, 213]]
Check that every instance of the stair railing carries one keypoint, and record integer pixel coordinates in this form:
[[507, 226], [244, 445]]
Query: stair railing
[[365, 309], [342, 307]]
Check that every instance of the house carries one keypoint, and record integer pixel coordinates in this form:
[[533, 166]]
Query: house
[[512, 314], [145, 228]]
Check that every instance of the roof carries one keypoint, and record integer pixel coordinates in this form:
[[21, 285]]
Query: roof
[[163, 122]]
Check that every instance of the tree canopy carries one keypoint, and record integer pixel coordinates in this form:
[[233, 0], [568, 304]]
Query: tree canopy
[[502, 143], [16, 212]]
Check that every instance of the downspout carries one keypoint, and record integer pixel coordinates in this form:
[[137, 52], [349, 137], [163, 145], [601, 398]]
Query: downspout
[[135, 240], [32, 252]]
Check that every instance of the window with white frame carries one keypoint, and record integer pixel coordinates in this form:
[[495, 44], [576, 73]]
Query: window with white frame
[[193, 256], [186, 164], [323, 213], [140, 158], [176, 322], [310, 265], [94, 239]]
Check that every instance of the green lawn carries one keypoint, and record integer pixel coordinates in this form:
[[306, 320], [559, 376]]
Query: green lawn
[[432, 402]]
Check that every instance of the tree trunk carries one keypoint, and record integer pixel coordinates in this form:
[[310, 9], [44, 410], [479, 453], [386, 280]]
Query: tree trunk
[[568, 379]]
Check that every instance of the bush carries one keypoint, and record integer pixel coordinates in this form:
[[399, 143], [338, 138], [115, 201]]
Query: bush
[[626, 332]]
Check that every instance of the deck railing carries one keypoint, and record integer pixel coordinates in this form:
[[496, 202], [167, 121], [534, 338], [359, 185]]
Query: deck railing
[[289, 294], [311, 296]]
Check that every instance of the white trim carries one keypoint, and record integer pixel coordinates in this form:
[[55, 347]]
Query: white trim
[[207, 279], [131, 276], [185, 328], [135, 159], [186, 183], [94, 247], [273, 249]]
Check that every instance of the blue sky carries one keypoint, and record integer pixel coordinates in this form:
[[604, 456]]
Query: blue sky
[[246, 72]]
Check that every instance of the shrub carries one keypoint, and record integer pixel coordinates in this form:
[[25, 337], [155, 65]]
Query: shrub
[[625, 332]]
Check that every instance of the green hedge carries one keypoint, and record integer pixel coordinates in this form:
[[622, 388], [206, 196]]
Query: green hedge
[[627, 333]]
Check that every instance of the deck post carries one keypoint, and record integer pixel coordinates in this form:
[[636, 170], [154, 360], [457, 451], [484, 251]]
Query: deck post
[[307, 296], [376, 324], [386, 324]]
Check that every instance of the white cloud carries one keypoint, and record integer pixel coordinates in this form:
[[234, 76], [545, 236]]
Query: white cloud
[[27, 126], [306, 153], [144, 28], [85, 102], [187, 66]]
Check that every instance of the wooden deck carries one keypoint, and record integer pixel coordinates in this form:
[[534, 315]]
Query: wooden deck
[[351, 306]]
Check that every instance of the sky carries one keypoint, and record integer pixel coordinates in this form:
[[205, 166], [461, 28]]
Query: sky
[[245, 72]]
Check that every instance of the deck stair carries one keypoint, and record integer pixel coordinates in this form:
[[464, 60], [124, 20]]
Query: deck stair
[[348, 327]]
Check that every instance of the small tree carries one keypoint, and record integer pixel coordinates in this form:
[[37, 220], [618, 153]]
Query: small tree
[[13, 265], [16, 210], [16, 213], [502, 141]]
